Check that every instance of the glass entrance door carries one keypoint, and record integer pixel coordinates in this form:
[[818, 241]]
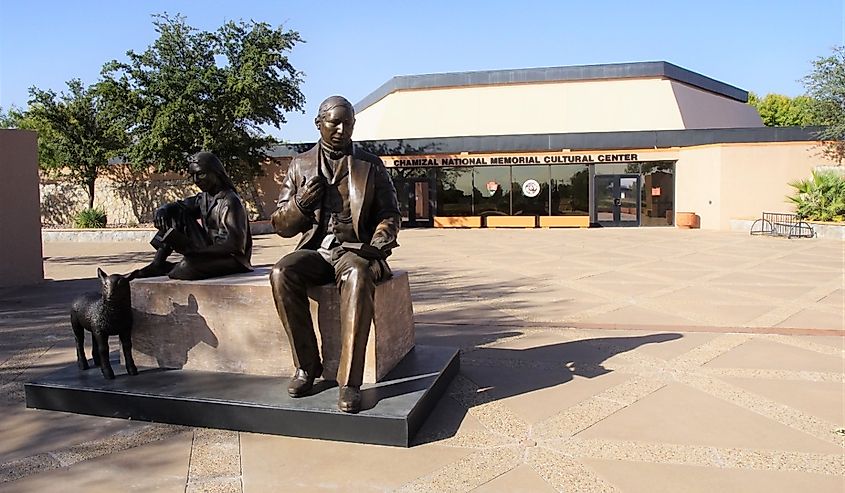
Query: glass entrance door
[[617, 200], [414, 192], [419, 203]]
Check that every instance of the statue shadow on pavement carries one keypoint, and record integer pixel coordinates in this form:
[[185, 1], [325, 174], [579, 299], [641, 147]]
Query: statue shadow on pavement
[[492, 374], [185, 328]]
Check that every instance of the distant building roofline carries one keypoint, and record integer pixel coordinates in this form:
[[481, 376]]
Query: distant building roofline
[[582, 141], [554, 74]]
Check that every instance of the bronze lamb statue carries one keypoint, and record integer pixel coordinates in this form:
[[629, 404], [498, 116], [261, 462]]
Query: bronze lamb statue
[[105, 314]]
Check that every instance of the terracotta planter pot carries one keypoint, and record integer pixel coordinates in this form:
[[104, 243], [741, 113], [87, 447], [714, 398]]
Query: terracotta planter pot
[[687, 220]]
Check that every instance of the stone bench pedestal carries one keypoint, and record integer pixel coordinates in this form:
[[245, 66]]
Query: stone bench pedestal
[[229, 324]]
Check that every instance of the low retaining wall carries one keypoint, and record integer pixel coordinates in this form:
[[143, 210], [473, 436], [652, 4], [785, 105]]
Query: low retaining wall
[[828, 231], [107, 235]]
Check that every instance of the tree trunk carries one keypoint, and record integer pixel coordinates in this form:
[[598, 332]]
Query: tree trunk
[[90, 184]]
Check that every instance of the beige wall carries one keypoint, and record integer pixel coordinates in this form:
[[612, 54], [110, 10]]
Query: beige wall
[[733, 181], [558, 107], [698, 175], [20, 227], [131, 198]]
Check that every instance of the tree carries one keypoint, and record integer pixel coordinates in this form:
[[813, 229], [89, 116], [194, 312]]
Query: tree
[[826, 86], [778, 110], [76, 137], [196, 90]]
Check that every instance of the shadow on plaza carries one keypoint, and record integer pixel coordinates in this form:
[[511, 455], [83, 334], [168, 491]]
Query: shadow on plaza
[[460, 316], [500, 373], [107, 260]]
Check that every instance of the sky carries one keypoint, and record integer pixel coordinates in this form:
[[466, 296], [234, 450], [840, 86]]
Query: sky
[[352, 48]]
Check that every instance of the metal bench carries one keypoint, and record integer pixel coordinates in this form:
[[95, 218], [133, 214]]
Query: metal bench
[[782, 224]]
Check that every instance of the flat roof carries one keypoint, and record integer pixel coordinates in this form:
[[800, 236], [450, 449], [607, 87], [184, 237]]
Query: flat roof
[[554, 74], [636, 139]]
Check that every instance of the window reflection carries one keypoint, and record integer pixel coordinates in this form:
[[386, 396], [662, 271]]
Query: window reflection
[[570, 190], [491, 190], [658, 193], [523, 203], [402, 178], [454, 192]]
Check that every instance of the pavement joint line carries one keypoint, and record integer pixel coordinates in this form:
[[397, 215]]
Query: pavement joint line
[[785, 415], [215, 460], [68, 456], [705, 455], [563, 473], [710, 350], [787, 375], [480, 467], [786, 310], [803, 343], [597, 408]]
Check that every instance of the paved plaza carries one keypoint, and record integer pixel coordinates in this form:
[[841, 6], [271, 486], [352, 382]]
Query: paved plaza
[[592, 360]]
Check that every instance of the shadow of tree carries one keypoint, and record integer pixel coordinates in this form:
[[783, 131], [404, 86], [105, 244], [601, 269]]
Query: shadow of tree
[[60, 201]]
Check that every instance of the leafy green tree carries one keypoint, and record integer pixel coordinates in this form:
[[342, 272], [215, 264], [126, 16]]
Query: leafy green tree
[[778, 110], [10, 118], [76, 138], [196, 90], [826, 86]]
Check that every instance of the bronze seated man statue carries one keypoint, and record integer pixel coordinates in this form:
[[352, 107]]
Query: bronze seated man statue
[[340, 198], [210, 229]]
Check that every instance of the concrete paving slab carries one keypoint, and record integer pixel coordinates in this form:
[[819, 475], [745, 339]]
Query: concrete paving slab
[[763, 354], [825, 400], [519, 479], [273, 463], [535, 395], [815, 318], [161, 467], [670, 478], [677, 414], [757, 418], [637, 315]]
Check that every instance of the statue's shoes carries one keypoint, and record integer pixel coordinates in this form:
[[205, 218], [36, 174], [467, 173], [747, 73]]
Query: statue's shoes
[[302, 381], [349, 400], [155, 269]]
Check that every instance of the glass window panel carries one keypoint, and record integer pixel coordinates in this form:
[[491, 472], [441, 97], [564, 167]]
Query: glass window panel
[[658, 193], [570, 190], [492, 190], [397, 175], [454, 192], [618, 169], [525, 205]]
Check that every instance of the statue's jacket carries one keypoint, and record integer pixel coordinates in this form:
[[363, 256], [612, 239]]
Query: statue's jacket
[[375, 211], [224, 221]]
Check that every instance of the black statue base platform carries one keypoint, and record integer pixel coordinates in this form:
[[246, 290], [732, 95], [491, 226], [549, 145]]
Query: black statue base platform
[[392, 410]]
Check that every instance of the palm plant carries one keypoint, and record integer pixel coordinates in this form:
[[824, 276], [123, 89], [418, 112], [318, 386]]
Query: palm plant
[[821, 197]]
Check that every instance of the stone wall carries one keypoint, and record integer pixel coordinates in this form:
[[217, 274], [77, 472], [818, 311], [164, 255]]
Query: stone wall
[[130, 199]]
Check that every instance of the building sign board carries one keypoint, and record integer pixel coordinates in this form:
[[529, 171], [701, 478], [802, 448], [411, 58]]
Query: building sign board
[[510, 159]]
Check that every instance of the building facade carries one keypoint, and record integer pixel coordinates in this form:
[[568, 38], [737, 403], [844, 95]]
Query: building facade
[[601, 145]]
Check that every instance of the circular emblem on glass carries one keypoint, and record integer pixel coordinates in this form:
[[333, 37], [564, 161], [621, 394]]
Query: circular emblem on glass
[[492, 186], [531, 188]]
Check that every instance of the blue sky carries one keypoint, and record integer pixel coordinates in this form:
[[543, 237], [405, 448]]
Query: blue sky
[[352, 48]]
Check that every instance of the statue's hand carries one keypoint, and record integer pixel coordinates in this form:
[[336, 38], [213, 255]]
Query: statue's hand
[[161, 218], [311, 193]]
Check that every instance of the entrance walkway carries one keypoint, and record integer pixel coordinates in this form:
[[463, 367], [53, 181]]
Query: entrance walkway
[[593, 360]]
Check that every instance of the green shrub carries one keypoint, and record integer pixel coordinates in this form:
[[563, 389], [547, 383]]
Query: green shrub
[[820, 198], [90, 218]]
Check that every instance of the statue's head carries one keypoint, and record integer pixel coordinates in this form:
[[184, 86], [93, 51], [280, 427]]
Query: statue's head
[[208, 173], [335, 121]]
